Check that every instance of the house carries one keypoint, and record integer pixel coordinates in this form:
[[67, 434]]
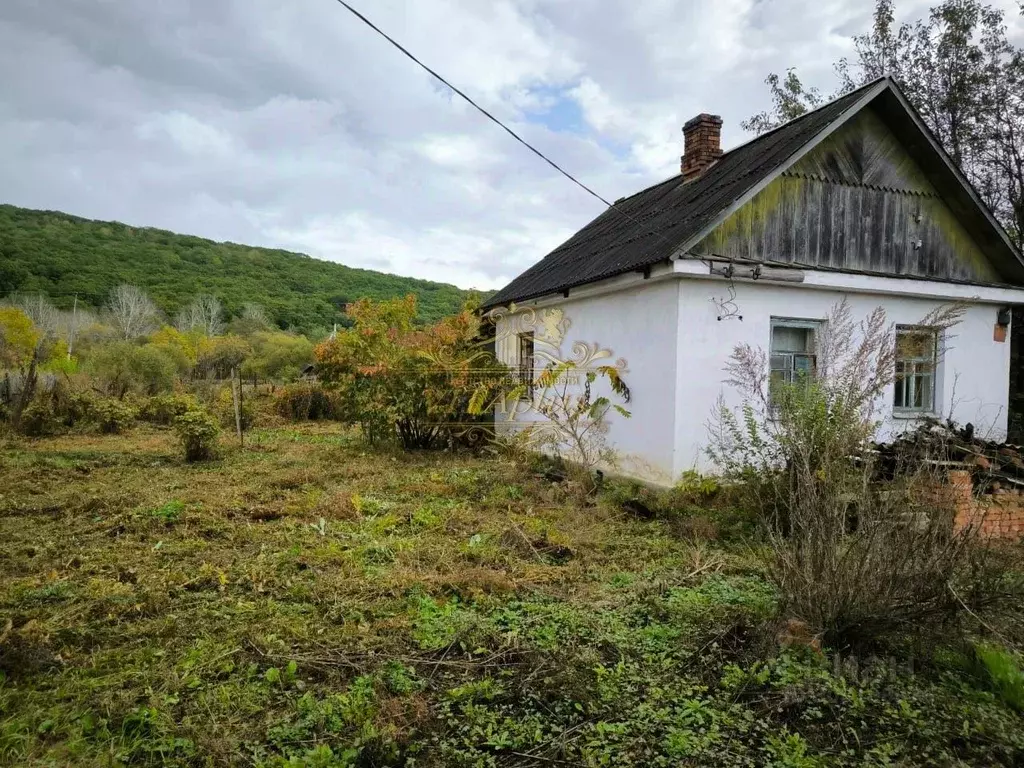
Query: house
[[855, 200]]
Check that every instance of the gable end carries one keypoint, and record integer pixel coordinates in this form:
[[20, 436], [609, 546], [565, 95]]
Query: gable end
[[859, 202], [875, 193]]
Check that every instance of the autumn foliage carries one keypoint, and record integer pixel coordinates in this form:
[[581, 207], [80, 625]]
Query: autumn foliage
[[424, 386]]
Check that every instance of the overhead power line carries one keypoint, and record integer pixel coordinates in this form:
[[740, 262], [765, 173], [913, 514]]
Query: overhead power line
[[498, 122], [473, 104]]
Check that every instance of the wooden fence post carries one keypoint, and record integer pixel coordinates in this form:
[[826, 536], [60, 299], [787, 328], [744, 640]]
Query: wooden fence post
[[236, 399]]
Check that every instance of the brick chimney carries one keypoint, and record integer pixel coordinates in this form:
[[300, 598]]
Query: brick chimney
[[702, 144]]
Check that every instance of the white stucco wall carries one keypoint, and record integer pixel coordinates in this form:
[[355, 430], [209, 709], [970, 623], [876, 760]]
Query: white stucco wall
[[973, 375], [675, 351], [637, 326]]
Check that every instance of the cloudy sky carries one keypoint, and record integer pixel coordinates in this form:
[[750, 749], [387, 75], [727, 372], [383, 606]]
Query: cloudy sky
[[291, 124]]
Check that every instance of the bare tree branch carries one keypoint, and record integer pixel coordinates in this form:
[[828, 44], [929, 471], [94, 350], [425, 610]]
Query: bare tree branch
[[132, 311]]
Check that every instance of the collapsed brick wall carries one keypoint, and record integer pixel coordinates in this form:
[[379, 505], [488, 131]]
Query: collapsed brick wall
[[999, 514]]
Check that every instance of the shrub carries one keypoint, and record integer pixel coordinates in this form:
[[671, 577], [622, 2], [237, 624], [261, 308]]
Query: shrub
[[575, 427], [111, 416], [74, 407], [198, 432], [69, 406], [695, 488], [110, 366], [57, 407], [164, 409], [262, 402], [398, 381], [307, 402], [60, 361], [123, 367], [39, 419], [153, 369], [860, 561]]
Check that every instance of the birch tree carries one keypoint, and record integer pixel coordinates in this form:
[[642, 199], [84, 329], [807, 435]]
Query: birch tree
[[132, 311], [39, 310], [204, 314], [72, 322]]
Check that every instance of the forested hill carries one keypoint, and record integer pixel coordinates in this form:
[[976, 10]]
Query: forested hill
[[65, 256]]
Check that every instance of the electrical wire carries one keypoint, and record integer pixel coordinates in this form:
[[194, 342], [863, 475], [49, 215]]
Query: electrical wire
[[476, 106], [496, 121]]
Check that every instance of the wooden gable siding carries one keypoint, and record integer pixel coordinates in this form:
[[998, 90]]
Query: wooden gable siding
[[856, 202]]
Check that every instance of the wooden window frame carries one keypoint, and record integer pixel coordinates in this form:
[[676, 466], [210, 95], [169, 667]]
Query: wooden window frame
[[904, 380], [790, 370], [527, 362]]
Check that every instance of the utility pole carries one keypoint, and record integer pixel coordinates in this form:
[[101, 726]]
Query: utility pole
[[74, 327]]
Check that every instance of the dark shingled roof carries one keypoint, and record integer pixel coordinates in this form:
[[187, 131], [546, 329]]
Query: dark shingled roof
[[648, 227]]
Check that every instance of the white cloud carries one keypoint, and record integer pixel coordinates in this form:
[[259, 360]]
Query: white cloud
[[456, 152], [293, 125], [190, 134]]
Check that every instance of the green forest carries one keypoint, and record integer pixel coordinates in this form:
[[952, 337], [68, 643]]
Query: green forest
[[65, 256]]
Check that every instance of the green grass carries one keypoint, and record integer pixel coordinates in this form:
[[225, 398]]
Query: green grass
[[307, 602]]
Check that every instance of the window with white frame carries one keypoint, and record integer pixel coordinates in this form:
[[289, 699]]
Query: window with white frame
[[793, 352], [526, 363], [916, 356]]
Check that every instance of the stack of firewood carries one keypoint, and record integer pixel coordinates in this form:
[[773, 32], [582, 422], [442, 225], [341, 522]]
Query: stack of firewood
[[945, 445]]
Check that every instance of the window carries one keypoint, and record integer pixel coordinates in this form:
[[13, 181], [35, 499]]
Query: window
[[916, 349], [526, 374], [793, 352]]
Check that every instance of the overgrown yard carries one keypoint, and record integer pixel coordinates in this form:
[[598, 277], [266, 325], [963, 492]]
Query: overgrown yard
[[305, 602]]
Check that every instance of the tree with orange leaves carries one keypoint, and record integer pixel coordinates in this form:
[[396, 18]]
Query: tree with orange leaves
[[421, 385]]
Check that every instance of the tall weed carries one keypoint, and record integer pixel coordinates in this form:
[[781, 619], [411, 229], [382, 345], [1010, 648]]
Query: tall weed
[[860, 561]]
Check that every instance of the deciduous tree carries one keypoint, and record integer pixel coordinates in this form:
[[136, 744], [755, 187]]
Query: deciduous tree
[[183, 348], [205, 314], [18, 338], [132, 312], [124, 367], [43, 314], [278, 356], [220, 354], [72, 323], [22, 346], [420, 385], [963, 75]]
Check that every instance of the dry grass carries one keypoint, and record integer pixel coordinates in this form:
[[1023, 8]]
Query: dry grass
[[134, 582], [305, 603]]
